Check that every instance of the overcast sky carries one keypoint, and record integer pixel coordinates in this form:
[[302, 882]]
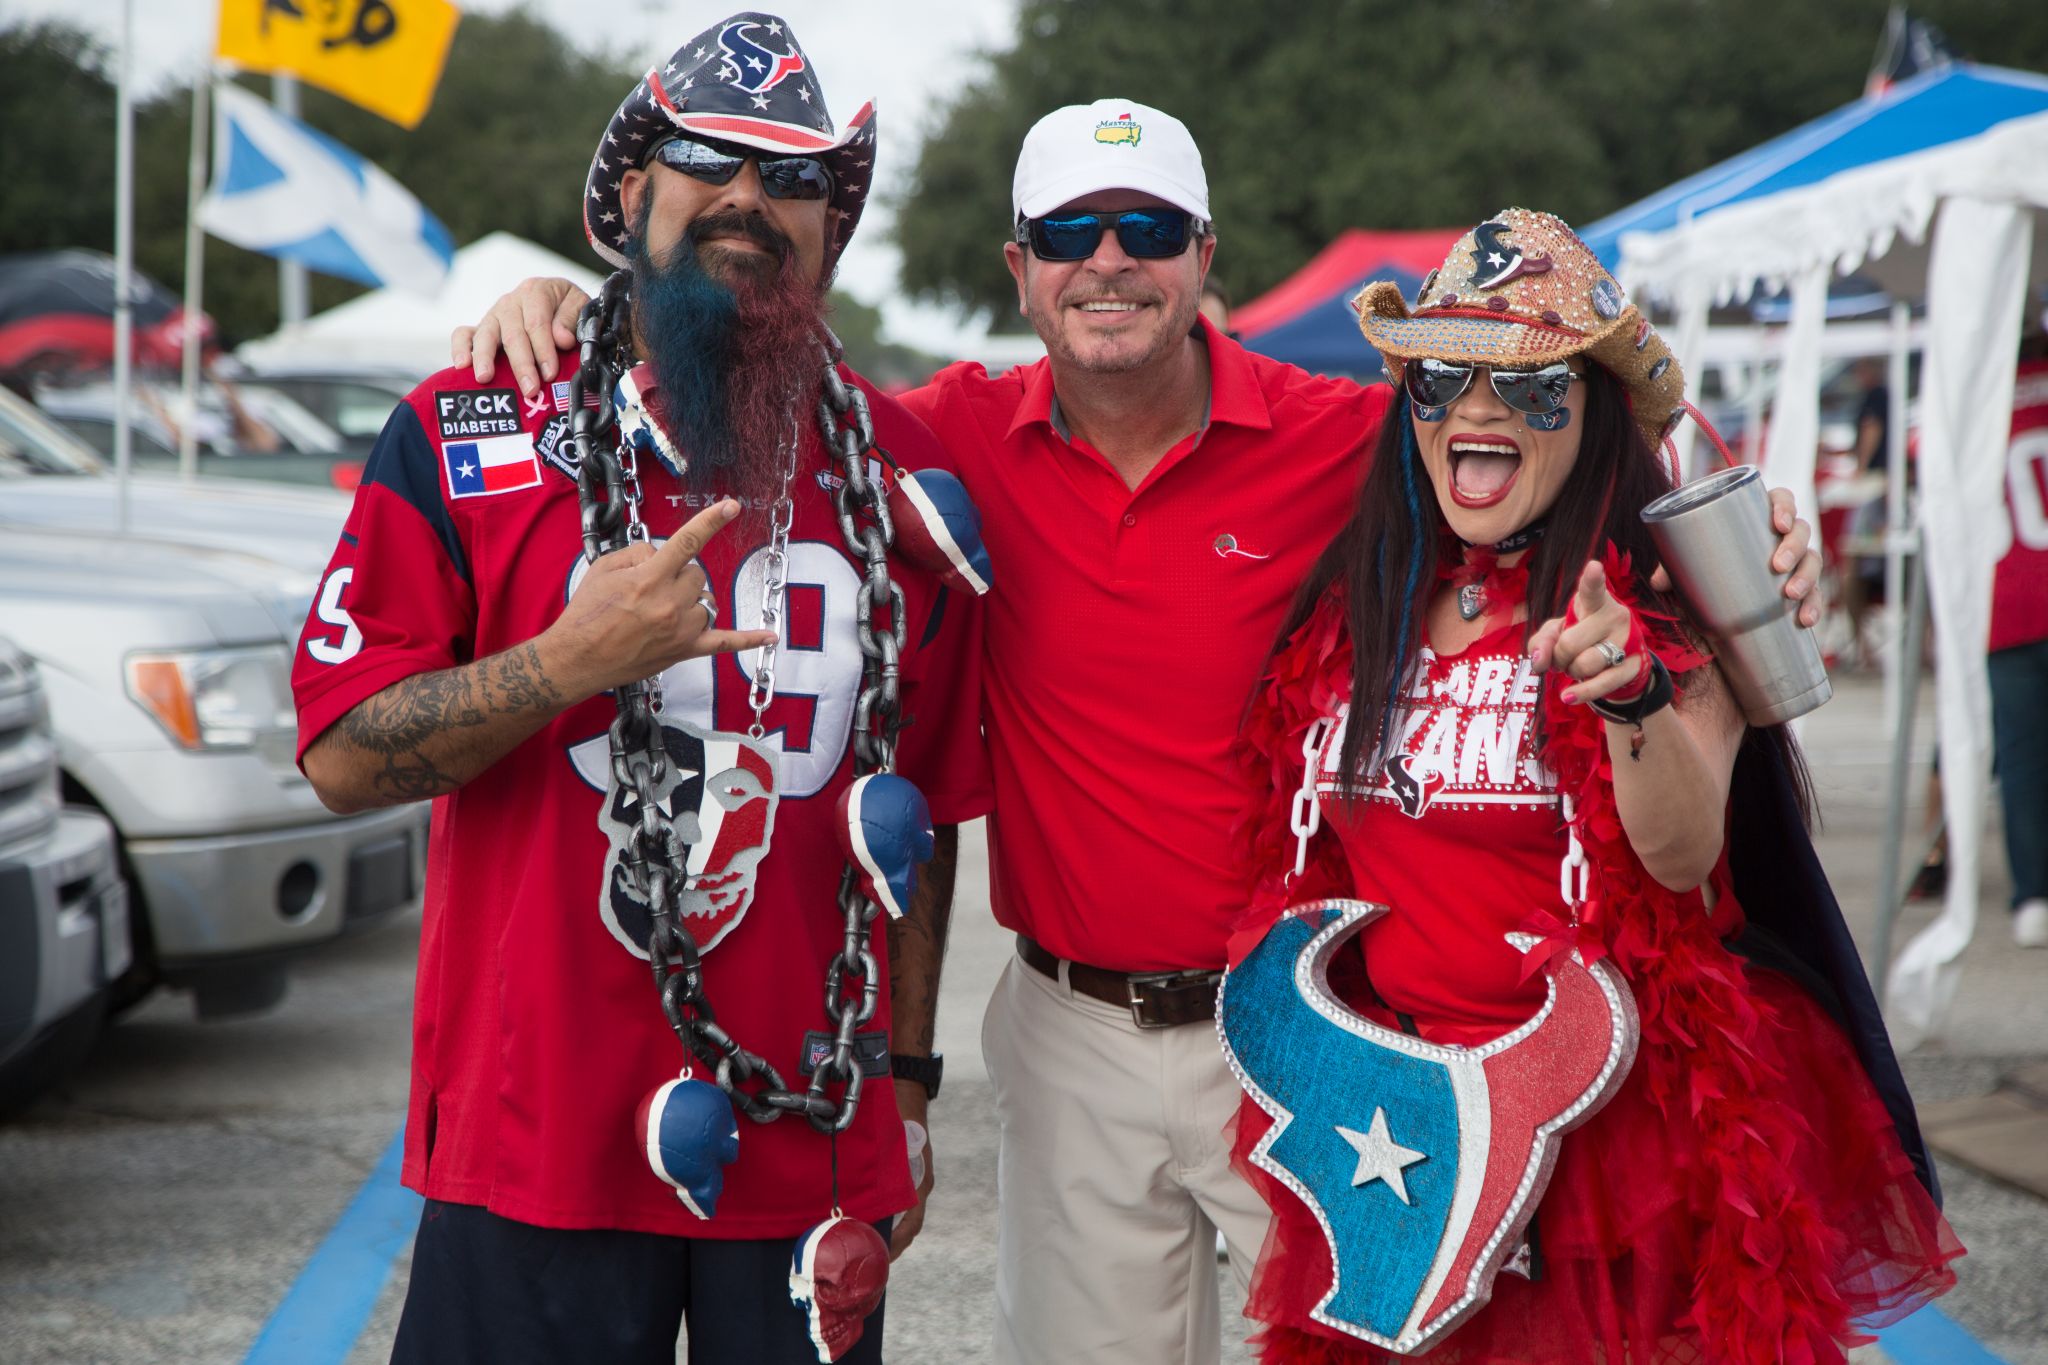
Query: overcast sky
[[907, 56]]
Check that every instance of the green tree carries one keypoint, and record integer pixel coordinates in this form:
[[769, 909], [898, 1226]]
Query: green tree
[[1328, 114], [57, 160]]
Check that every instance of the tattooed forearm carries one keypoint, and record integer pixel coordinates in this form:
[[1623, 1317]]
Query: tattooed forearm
[[917, 950], [434, 731]]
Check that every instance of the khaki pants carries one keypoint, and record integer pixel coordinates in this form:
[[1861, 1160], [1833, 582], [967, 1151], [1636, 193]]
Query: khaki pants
[[1114, 1179]]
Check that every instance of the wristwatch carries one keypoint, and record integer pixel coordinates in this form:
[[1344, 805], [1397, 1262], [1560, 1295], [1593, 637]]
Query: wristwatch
[[924, 1070]]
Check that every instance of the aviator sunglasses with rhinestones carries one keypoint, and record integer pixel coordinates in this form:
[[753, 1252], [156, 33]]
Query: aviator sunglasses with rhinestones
[[1440, 383], [716, 163], [1144, 234]]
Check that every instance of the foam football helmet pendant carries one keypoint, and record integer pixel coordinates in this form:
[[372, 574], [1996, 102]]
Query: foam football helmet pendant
[[690, 1135], [1421, 1162], [638, 404], [938, 528], [836, 1275], [885, 830]]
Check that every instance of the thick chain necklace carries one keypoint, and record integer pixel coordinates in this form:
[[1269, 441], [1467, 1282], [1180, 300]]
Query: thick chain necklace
[[607, 487]]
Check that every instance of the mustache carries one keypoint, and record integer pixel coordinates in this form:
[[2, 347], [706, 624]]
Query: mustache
[[751, 227]]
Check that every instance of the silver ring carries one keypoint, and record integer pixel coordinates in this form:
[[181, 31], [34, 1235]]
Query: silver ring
[[710, 605], [1611, 652]]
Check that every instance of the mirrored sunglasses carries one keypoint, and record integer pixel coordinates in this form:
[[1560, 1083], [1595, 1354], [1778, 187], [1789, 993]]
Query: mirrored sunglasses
[[1144, 234], [1440, 383], [782, 177]]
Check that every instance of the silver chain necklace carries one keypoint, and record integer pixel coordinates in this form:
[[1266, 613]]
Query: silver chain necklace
[[608, 494]]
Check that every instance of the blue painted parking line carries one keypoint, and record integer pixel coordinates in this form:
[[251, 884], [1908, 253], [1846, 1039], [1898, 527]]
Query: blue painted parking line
[[1932, 1337], [327, 1307]]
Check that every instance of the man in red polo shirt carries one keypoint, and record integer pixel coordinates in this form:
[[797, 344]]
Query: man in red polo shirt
[[1155, 494]]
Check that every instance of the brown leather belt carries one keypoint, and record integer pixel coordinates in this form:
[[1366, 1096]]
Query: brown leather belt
[[1155, 999]]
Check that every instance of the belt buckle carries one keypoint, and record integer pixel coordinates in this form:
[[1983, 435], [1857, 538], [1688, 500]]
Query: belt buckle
[[1138, 984]]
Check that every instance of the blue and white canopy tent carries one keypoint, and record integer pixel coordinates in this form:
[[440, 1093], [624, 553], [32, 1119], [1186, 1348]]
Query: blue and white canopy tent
[[1938, 190]]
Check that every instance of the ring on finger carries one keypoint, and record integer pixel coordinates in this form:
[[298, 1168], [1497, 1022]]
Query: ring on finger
[[710, 605], [1611, 652]]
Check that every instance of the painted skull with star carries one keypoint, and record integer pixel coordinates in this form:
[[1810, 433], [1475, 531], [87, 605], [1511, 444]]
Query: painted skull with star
[[719, 792]]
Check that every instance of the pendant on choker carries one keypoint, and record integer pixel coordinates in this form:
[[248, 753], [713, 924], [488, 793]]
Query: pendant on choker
[[1471, 601]]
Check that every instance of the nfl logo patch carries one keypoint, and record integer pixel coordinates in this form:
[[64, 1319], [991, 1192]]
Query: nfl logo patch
[[491, 464]]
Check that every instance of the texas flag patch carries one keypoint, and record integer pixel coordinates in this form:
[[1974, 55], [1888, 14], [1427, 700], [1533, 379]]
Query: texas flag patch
[[490, 464]]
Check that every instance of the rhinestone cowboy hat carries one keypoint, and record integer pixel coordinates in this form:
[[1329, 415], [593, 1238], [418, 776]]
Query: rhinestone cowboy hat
[[1521, 290], [744, 80]]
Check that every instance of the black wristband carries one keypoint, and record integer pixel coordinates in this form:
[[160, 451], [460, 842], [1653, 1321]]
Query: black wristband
[[1654, 698], [926, 1071]]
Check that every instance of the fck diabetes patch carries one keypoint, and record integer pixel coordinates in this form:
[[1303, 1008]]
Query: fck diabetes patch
[[477, 412]]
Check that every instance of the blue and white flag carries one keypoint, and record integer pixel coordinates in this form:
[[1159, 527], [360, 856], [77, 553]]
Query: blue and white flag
[[281, 188]]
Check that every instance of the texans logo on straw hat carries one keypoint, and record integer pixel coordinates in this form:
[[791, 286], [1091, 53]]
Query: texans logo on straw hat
[[744, 80], [1521, 290]]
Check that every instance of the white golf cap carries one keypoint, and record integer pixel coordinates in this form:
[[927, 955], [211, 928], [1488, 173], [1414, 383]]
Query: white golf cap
[[1083, 149]]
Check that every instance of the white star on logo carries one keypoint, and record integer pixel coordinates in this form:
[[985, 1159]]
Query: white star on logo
[[1380, 1157], [669, 70], [1495, 258], [760, 101], [688, 81], [607, 217], [465, 469], [700, 54], [774, 27], [803, 92], [757, 64]]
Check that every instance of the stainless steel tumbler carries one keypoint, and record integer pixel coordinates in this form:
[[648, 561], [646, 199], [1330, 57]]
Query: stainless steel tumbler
[[1715, 537]]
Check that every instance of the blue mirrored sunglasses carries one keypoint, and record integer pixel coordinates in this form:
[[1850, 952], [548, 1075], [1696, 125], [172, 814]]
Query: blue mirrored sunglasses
[[1144, 234]]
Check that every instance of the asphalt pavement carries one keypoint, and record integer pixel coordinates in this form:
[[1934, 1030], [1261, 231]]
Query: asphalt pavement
[[163, 1205]]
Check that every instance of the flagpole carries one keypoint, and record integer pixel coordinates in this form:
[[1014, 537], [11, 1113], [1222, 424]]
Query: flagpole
[[195, 276], [291, 275], [124, 262]]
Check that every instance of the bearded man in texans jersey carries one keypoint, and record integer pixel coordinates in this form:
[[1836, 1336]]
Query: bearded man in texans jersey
[[463, 649]]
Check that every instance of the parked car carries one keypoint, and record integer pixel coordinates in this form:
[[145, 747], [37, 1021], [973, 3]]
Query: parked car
[[355, 403], [63, 907], [166, 654], [302, 449]]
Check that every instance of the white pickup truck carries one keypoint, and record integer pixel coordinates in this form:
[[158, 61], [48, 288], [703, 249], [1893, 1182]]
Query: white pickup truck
[[63, 908], [165, 653]]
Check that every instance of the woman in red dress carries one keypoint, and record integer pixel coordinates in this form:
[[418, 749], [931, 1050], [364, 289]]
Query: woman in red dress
[[1489, 681]]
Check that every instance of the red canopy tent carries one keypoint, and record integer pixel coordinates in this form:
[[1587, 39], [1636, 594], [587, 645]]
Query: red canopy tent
[[1306, 319]]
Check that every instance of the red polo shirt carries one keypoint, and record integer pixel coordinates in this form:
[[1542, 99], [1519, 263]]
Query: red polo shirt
[[1125, 638]]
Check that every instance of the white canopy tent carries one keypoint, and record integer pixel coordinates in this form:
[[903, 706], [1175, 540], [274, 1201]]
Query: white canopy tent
[[1939, 191], [391, 329]]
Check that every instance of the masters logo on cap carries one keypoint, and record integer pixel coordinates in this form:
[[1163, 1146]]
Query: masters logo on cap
[[1124, 130]]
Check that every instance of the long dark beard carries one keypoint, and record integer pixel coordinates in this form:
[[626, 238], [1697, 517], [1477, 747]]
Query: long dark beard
[[735, 354]]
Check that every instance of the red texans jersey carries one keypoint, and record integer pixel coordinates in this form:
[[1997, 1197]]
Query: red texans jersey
[[2019, 585], [536, 1027]]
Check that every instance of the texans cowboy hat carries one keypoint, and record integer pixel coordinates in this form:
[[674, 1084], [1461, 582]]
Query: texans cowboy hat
[[744, 80], [1521, 291]]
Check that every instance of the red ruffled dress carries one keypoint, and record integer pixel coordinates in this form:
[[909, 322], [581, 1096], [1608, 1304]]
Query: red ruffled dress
[[1743, 1198]]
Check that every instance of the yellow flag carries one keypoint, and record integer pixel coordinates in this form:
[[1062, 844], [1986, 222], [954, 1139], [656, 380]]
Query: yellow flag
[[385, 55]]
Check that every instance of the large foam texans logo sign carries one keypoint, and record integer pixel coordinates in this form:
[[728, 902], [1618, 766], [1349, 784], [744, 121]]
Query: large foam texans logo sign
[[720, 792], [1423, 1163]]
